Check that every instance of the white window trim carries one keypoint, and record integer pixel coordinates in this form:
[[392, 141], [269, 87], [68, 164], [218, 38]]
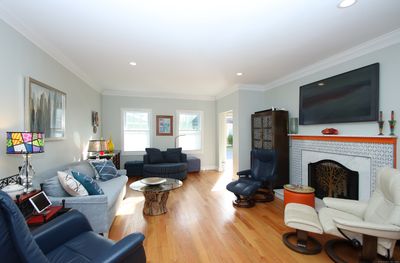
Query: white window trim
[[123, 110], [201, 132]]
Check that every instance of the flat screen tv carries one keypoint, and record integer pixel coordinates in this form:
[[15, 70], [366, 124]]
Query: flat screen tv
[[349, 97]]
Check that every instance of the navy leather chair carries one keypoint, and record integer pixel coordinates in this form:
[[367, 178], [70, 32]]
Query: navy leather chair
[[255, 184], [67, 238]]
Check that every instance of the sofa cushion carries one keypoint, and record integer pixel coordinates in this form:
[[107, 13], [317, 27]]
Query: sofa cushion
[[105, 169], [112, 188], [88, 182], [70, 185], [53, 187], [173, 155], [165, 168], [155, 155]]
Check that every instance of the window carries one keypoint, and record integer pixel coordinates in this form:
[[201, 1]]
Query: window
[[190, 130], [136, 130]]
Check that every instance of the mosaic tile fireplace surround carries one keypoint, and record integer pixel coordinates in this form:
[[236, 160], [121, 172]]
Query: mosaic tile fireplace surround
[[365, 154]]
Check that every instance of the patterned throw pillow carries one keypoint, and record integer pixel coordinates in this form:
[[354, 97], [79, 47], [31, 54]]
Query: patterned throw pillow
[[70, 185], [105, 170], [88, 182]]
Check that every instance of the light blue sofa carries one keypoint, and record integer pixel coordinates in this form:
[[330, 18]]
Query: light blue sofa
[[100, 210]]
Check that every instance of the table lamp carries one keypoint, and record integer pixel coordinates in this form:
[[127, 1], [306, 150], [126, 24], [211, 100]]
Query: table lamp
[[98, 147], [25, 143]]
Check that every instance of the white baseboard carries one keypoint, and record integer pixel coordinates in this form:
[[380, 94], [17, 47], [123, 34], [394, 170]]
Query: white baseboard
[[209, 167]]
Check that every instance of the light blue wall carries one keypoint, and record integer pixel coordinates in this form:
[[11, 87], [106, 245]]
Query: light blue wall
[[20, 58], [287, 96], [112, 122]]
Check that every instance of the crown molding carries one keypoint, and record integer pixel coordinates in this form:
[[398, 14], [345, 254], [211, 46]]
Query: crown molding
[[45, 46], [161, 95], [237, 87], [383, 41]]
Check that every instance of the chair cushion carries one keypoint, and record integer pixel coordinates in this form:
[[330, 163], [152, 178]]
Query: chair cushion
[[302, 217], [88, 182], [53, 187], [173, 155], [326, 216], [105, 169], [83, 248], [245, 187], [70, 185], [165, 168], [155, 155]]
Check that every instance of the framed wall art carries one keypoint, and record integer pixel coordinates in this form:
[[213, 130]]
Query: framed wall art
[[165, 125], [45, 109]]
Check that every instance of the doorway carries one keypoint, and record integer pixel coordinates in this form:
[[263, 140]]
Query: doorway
[[226, 142]]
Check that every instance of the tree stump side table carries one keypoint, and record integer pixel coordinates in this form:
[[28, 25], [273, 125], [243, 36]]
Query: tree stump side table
[[156, 196]]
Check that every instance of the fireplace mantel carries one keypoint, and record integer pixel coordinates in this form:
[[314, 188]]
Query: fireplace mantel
[[346, 138]]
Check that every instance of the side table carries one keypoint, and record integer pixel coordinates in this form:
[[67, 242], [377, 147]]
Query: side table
[[301, 194]]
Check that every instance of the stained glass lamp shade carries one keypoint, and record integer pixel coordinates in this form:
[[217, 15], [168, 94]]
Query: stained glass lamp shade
[[25, 143]]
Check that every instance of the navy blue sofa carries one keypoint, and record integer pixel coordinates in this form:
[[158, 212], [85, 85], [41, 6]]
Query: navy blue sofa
[[67, 238], [171, 163]]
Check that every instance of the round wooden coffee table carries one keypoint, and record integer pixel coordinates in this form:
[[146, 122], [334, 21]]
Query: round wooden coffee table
[[155, 195]]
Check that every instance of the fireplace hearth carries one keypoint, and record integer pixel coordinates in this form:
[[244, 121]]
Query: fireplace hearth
[[332, 179]]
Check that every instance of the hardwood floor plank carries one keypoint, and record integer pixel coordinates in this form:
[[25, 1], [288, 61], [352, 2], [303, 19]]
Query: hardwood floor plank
[[201, 225]]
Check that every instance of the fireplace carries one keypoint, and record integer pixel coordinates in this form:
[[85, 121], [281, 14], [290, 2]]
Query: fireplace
[[332, 179]]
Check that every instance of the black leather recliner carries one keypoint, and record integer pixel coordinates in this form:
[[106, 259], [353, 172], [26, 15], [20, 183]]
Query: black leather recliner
[[255, 184], [67, 238]]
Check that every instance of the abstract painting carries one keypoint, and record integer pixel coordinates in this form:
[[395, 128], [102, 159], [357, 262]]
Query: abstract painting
[[45, 110], [164, 125]]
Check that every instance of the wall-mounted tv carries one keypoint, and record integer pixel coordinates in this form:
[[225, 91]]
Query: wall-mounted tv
[[349, 97]]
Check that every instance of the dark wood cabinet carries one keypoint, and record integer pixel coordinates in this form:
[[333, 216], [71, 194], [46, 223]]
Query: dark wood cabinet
[[270, 131]]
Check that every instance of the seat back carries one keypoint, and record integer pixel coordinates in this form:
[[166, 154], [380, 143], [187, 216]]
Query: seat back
[[384, 204], [16, 241], [263, 165]]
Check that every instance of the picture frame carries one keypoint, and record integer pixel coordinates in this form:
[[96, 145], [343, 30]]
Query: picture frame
[[165, 125], [45, 109]]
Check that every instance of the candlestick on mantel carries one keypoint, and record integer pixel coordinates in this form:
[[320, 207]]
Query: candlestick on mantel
[[392, 116], [380, 116]]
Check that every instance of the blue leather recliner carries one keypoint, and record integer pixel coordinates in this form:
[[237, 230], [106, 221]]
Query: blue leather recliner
[[255, 184], [67, 238]]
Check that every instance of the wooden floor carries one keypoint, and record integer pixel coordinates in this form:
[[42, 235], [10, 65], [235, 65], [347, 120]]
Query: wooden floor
[[201, 225]]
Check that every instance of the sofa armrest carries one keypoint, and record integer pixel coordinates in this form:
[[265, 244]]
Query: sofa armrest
[[94, 207], [146, 159], [353, 207], [129, 249], [183, 157], [60, 230], [368, 228]]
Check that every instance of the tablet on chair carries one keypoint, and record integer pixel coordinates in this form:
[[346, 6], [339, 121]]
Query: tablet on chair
[[40, 202]]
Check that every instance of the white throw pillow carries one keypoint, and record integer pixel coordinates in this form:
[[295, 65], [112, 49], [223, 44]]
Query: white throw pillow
[[71, 185]]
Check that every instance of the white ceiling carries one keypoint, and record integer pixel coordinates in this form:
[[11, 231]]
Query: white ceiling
[[195, 47]]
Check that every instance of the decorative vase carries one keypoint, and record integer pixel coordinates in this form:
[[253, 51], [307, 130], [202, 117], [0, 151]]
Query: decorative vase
[[392, 124], [110, 145], [380, 123]]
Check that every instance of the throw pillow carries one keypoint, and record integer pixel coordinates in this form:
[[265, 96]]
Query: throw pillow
[[173, 155], [70, 185], [53, 187], [88, 182], [155, 155], [106, 170]]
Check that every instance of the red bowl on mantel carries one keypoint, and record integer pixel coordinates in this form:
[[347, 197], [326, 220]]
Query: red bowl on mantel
[[330, 131]]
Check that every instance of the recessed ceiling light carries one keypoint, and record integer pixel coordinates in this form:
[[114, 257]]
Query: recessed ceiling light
[[132, 63], [239, 74], [321, 84], [346, 3]]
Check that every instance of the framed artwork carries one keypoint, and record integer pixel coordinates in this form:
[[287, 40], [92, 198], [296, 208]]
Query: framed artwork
[[95, 121], [45, 109], [165, 125]]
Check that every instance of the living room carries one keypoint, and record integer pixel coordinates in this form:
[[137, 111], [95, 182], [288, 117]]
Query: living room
[[176, 71]]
